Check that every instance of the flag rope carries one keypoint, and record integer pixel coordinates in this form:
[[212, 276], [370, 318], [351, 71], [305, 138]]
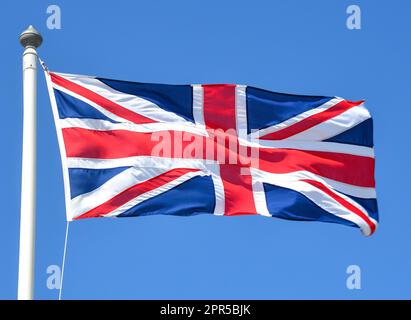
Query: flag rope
[[64, 259]]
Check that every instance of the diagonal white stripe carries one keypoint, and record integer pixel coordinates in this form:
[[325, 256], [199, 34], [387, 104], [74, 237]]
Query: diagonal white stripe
[[128, 101], [298, 118], [334, 126], [320, 198], [107, 113], [352, 190], [142, 169], [155, 192], [111, 188]]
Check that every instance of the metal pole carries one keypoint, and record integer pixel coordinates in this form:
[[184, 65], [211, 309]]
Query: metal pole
[[30, 39]]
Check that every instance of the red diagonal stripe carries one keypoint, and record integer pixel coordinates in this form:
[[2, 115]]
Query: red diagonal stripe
[[343, 202], [133, 192], [311, 121], [100, 100]]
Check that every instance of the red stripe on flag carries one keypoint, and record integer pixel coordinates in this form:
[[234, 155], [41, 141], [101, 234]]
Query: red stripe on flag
[[220, 113], [112, 144], [85, 143], [133, 192], [343, 202], [346, 168], [100, 100], [311, 121], [238, 190], [219, 106]]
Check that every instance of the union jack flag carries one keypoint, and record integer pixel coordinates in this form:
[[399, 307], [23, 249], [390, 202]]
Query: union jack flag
[[134, 149]]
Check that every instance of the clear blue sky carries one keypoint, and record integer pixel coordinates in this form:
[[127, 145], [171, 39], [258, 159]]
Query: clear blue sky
[[299, 47]]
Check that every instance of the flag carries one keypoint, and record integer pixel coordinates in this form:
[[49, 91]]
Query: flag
[[137, 149]]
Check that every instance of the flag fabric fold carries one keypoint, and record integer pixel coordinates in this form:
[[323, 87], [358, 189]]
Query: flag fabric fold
[[134, 149]]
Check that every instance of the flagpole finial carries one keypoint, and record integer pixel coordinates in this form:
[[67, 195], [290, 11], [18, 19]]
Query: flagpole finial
[[30, 38]]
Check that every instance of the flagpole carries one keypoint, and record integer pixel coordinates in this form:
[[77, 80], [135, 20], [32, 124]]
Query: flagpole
[[30, 39]]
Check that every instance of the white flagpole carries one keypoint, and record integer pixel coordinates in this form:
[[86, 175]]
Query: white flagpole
[[30, 39]]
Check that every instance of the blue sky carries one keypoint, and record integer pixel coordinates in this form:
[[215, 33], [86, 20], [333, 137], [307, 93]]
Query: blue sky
[[287, 46]]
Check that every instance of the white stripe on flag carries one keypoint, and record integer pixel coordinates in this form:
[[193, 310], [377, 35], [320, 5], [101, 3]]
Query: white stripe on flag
[[104, 125]]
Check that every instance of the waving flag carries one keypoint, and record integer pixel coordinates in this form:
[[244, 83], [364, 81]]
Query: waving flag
[[133, 149]]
